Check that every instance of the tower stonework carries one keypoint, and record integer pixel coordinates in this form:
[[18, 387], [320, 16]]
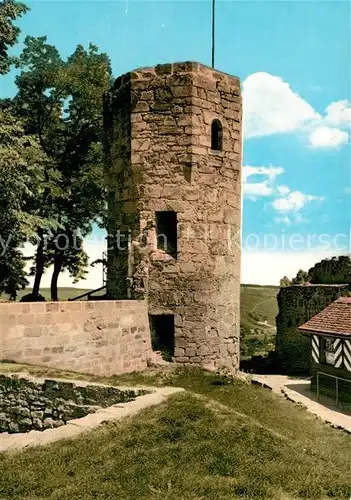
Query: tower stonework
[[173, 171]]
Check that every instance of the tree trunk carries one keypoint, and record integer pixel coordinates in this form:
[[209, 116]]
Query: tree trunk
[[58, 261], [39, 265]]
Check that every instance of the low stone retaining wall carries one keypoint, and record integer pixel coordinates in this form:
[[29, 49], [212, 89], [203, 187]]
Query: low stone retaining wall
[[26, 405], [145, 397], [102, 337]]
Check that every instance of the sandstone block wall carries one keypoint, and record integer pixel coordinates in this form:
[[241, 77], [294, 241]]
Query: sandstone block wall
[[101, 338], [159, 158], [297, 304]]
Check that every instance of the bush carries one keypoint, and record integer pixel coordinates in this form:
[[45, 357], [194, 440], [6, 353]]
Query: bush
[[32, 298]]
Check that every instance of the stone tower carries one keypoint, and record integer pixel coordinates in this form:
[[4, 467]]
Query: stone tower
[[173, 171]]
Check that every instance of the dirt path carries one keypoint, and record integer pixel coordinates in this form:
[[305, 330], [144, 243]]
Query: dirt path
[[259, 304]]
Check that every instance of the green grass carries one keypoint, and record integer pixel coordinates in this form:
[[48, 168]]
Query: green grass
[[258, 304], [222, 439]]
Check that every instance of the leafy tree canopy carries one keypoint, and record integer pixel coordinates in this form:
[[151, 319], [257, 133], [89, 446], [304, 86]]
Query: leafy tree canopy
[[336, 270], [301, 278], [285, 282], [22, 165], [60, 101], [10, 10]]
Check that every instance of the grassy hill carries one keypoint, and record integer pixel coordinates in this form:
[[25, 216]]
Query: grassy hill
[[221, 439], [258, 311], [257, 305]]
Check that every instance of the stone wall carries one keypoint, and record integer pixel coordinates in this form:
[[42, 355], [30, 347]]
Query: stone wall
[[97, 337], [297, 304], [27, 405], [159, 158]]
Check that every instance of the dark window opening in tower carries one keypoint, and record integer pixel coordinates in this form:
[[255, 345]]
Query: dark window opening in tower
[[166, 232], [187, 172], [162, 334], [216, 135]]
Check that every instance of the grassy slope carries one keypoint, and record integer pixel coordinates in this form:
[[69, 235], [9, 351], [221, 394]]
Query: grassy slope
[[215, 442], [257, 304]]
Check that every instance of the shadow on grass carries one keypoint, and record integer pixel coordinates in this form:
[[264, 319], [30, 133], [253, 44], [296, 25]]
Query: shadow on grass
[[305, 390], [263, 365]]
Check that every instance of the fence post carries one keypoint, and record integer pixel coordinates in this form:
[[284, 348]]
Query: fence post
[[337, 390], [317, 386]]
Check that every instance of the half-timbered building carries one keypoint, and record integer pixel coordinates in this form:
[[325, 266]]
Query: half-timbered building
[[330, 332]]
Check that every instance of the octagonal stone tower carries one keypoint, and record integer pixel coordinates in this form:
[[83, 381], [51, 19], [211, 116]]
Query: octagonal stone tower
[[173, 171]]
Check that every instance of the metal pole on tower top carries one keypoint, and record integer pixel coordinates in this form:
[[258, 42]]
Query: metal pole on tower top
[[213, 32]]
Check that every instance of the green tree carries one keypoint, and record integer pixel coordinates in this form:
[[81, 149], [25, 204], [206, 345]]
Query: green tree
[[10, 10], [22, 165], [61, 102], [301, 278], [67, 253], [336, 270], [285, 282]]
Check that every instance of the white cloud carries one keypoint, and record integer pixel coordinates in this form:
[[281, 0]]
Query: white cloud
[[270, 171], [254, 189], [272, 107], [338, 113], [283, 190], [283, 220], [328, 137], [294, 201], [287, 203], [291, 218], [266, 186]]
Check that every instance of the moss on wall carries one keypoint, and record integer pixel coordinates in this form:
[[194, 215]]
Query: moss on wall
[[297, 304]]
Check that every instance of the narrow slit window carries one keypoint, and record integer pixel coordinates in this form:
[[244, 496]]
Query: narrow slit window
[[216, 135], [166, 232]]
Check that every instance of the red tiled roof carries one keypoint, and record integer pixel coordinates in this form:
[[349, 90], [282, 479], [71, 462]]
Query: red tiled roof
[[334, 319]]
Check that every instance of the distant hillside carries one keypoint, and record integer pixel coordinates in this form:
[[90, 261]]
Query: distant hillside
[[258, 304], [258, 311], [64, 293]]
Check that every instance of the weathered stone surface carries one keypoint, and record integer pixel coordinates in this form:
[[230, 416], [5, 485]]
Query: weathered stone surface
[[77, 336], [60, 402], [11, 442], [175, 169]]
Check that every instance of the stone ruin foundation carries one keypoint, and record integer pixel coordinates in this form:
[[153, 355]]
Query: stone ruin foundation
[[173, 171], [26, 405]]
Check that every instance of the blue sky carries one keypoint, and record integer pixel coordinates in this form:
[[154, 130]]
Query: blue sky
[[293, 58]]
